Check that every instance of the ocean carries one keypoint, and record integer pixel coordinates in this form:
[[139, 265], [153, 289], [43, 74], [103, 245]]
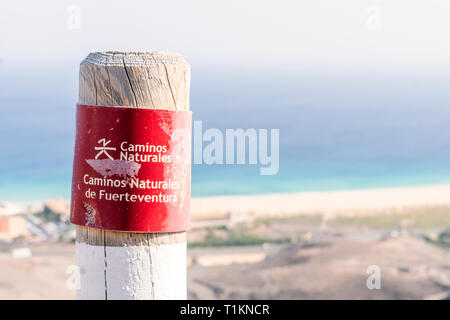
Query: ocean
[[339, 129]]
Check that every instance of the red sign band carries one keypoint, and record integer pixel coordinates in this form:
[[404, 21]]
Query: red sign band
[[131, 169]]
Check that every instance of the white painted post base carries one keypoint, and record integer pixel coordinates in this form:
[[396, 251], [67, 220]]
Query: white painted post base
[[132, 272]]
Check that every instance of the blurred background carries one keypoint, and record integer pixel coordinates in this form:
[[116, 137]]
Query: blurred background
[[358, 89]]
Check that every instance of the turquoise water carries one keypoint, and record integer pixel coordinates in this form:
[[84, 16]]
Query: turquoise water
[[338, 130]]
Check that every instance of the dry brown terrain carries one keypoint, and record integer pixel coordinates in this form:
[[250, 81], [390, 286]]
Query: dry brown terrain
[[333, 266], [42, 276], [410, 269]]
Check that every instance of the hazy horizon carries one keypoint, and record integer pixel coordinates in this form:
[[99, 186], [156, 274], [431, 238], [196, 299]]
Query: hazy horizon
[[336, 131]]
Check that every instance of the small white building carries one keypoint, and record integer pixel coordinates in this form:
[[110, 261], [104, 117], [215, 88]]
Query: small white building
[[13, 226]]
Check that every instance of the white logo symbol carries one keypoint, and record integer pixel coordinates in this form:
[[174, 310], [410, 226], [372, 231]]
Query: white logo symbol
[[104, 148]]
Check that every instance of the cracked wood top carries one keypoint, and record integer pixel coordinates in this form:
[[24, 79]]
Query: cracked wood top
[[155, 80]]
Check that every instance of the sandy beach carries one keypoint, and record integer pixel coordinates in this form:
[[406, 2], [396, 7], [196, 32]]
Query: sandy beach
[[329, 204], [326, 203]]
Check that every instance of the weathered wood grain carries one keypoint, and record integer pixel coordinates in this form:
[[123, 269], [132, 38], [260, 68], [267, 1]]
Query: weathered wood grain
[[129, 265]]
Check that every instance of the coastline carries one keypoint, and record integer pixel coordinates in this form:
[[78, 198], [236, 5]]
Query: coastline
[[327, 203]]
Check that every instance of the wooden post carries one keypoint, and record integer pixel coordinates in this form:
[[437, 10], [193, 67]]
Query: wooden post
[[128, 265]]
